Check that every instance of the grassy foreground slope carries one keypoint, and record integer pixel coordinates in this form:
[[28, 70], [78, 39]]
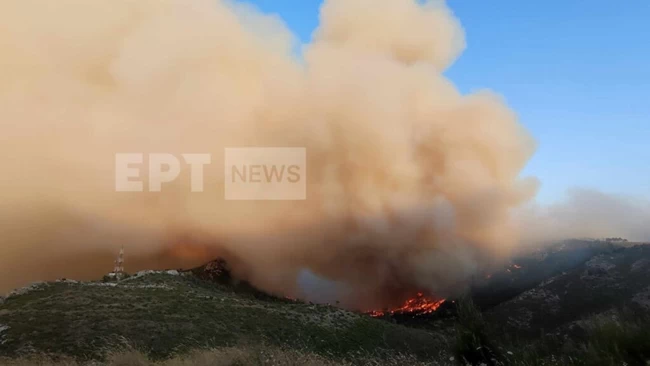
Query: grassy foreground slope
[[166, 314]]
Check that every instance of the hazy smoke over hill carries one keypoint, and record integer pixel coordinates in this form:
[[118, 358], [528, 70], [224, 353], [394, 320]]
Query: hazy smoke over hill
[[587, 214], [411, 185]]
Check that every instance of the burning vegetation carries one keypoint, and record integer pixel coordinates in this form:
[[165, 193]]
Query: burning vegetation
[[418, 305]]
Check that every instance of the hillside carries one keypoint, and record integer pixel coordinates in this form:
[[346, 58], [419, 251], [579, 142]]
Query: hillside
[[576, 303], [617, 279], [170, 312]]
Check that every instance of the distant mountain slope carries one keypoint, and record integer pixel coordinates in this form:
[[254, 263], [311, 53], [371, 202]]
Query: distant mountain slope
[[618, 279], [528, 271]]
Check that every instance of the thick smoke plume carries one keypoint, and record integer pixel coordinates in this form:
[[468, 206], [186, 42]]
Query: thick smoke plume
[[411, 185]]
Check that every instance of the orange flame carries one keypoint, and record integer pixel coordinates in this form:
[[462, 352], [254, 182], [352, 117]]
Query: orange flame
[[419, 305]]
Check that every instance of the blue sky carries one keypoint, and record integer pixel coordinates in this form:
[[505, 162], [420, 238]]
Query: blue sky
[[577, 72]]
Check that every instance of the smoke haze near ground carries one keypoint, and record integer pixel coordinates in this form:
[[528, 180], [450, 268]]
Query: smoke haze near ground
[[411, 186]]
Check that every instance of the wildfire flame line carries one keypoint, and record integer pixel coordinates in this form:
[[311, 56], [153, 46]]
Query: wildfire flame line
[[418, 305]]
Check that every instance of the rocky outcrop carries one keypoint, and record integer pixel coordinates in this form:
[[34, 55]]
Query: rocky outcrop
[[216, 271]]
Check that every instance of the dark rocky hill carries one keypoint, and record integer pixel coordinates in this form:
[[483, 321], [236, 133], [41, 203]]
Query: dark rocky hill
[[616, 279]]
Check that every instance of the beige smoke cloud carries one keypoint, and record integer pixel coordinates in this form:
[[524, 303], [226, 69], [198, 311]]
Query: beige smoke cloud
[[410, 182]]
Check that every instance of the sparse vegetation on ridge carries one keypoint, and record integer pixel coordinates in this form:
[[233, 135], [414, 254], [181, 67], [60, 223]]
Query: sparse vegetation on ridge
[[166, 315]]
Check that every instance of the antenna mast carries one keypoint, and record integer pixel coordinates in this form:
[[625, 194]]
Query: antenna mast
[[119, 263]]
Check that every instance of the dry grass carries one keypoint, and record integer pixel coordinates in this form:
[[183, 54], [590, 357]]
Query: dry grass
[[195, 314], [228, 356]]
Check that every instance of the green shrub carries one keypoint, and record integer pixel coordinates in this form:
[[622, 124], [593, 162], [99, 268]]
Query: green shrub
[[619, 339], [473, 343]]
